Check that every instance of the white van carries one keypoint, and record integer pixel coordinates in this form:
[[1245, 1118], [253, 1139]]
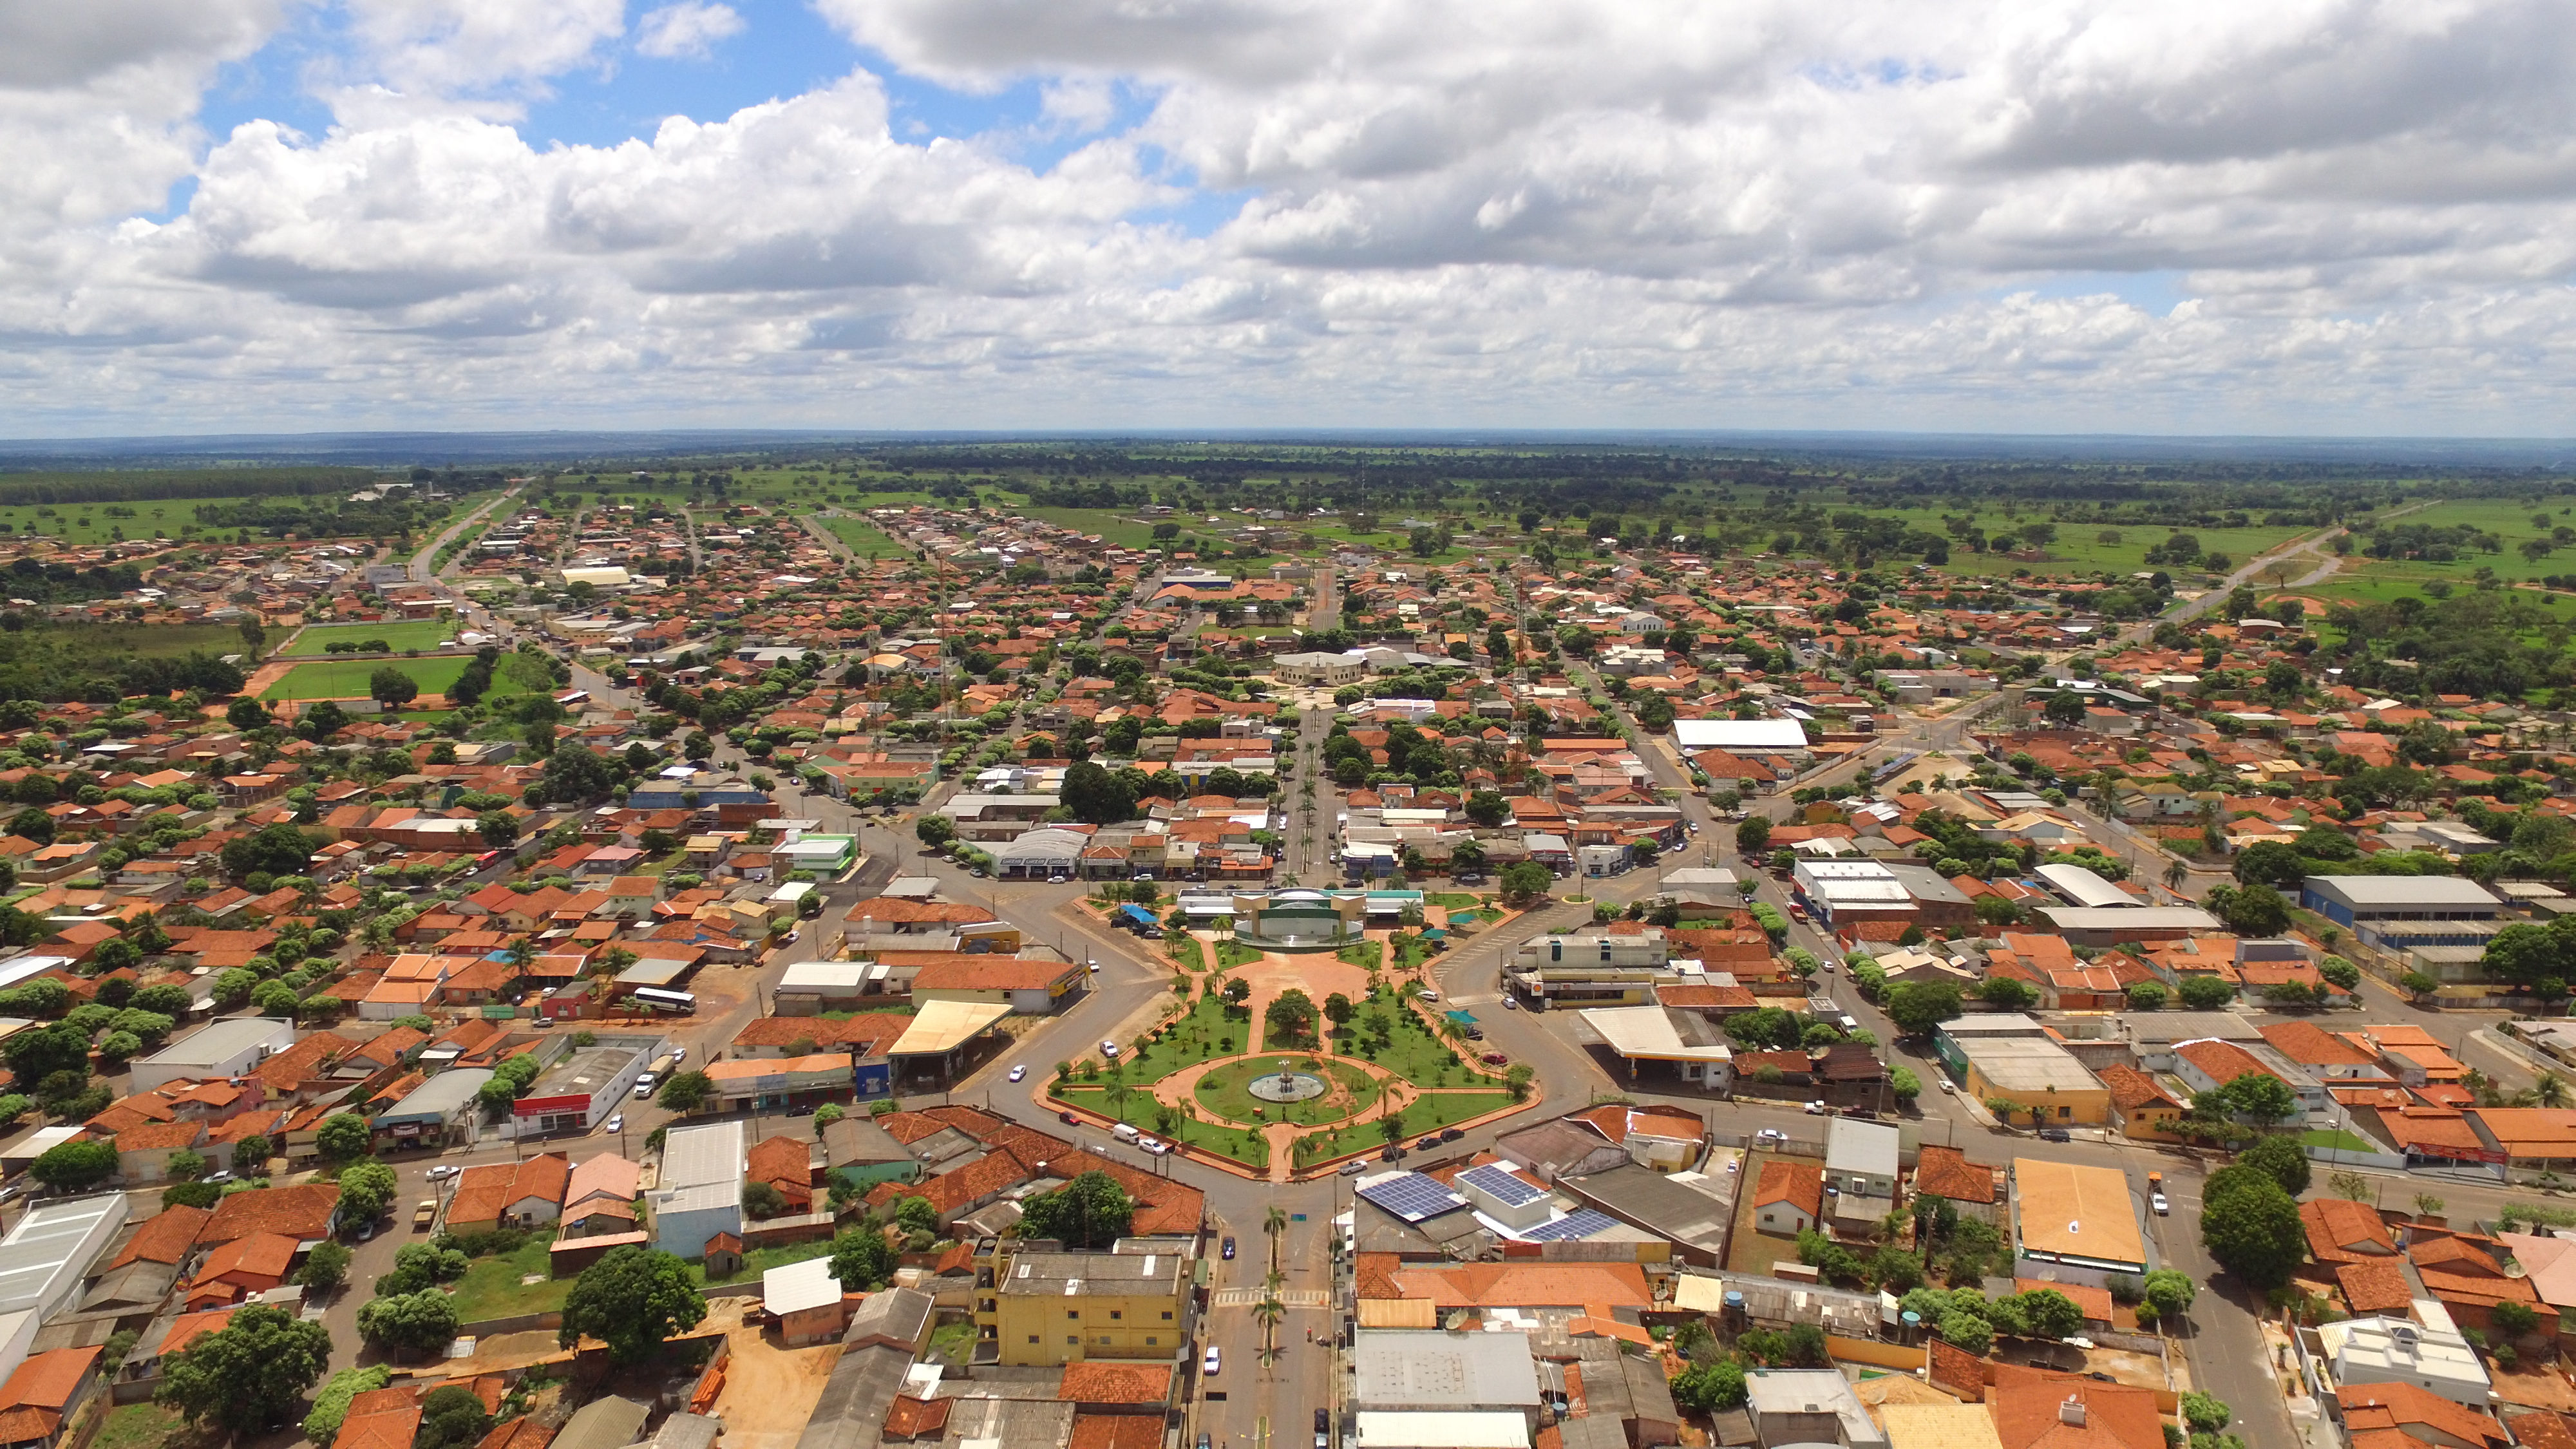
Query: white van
[[1124, 1132]]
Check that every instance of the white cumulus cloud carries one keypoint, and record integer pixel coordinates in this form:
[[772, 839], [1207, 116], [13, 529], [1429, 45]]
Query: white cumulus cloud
[[2051, 214], [687, 30]]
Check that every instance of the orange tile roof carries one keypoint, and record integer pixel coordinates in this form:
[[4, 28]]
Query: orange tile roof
[[2344, 1232], [2369, 1407], [1795, 1183], [2026, 1407], [167, 1236], [1947, 1172], [1595, 1287], [1097, 1381], [2374, 1285], [48, 1380], [1115, 1431], [302, 1212]]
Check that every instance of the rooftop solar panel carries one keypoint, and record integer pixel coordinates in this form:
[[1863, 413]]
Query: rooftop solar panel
[[1501, 1185], [1579, 1224], [1412, 1197]]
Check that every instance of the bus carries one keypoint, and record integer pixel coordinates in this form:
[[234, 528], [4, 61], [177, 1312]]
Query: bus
[[679, 1003]]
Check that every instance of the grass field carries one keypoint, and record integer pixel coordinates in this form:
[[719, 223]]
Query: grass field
[[2080, 548], [864, 538], [147, 641], [2368, 580], [406, 634], [93, 523], [339, 680]]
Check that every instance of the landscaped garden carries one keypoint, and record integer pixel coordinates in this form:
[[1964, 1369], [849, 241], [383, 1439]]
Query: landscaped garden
[[1231, 953], [1351, 1052]]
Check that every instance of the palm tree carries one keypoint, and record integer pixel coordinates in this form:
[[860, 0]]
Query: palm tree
[[2175, 872], [2551, 1090]]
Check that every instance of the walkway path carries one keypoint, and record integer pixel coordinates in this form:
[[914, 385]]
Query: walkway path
[[421, 561]]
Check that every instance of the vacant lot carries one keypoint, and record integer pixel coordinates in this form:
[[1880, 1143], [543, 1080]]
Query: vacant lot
[[770, 1391], [406, 634], [147, 641]]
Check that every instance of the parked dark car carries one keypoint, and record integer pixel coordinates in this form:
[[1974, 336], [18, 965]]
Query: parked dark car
[[1426, 1144], [1452, 1134], [1068, 1119], [1228, 1251], [2054, 1134]]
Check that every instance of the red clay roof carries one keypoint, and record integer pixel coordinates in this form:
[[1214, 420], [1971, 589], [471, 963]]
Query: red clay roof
[[1116, 1431], [48, 1380], [2374, 1285], [302, 1212], [1795, 1183], [2370, 1407], [167, 1236], [2026, 1408], [1947, 1172], [2344, 1232], [1101, 1382]]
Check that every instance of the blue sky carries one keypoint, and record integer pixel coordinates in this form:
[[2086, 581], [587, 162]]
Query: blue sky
[[1976, 214]]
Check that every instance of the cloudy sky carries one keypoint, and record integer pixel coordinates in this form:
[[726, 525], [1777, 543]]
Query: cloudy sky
[[2297, 216]]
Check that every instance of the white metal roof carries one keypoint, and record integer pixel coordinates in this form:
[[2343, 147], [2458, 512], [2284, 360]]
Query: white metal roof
[[1739, 734], [799, 1286], [704, 1154], [1464, 1429]]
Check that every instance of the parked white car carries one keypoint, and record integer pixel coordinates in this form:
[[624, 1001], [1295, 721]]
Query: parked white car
[[1209, 1366]]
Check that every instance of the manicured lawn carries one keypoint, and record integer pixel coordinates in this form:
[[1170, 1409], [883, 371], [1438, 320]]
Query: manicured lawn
[[1186, 952], [1427, 1113], [1411, 1052], [1453, 900], [405, 634], [1209, 1030], [1230, 954], [2336, 1137], [348, 680], [1225, 1092], [1367, 955]]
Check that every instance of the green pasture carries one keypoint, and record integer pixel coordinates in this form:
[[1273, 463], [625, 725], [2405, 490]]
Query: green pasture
[[862, 537], [145, 641]]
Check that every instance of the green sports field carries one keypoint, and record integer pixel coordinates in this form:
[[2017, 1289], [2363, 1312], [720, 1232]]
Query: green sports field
[[407, 634], [348, 680]]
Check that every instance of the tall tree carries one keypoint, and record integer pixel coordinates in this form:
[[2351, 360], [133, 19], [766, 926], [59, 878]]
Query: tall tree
[[249, 1377], [2252, 1227], [1092, 1211], [632, 1299]]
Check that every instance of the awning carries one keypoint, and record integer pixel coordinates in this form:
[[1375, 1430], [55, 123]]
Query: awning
[[940, 1027]]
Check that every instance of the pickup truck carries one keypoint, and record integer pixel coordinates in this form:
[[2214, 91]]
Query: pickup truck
[[425, 1214]]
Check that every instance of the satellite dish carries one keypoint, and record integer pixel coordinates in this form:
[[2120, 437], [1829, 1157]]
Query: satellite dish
[[2516, 1270], [2074, 1227]]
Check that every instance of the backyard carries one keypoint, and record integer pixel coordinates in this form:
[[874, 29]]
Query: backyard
[[493, 1285]]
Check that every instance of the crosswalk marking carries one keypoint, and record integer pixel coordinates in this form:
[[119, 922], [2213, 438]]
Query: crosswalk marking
[[1288, 1298]]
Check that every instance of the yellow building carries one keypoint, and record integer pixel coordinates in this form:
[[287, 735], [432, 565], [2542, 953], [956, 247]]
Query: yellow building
[[1041, 1307], [1994, 1060]]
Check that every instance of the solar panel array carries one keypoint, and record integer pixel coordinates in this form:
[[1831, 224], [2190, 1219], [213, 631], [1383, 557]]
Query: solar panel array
[[1500, 1185], [1412, 1197], [1582, 1223]]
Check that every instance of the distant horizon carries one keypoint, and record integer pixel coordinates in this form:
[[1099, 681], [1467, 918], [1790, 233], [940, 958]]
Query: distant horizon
[[376, 447]]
